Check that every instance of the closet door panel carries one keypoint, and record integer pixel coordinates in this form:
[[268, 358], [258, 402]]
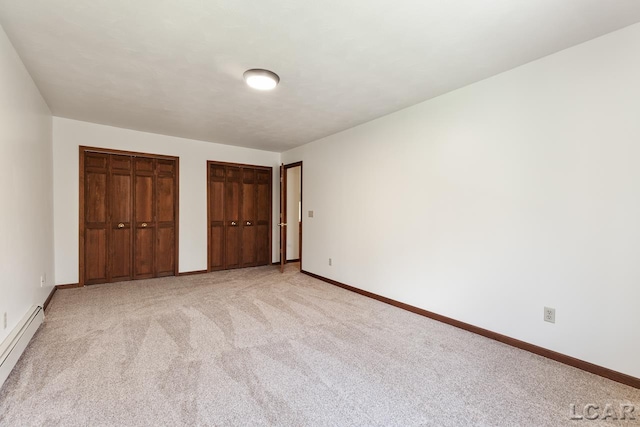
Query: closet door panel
[[166, 217], [144, 219], [239, 214], [232, 217], [247, 223], [130, 211], [96, 225], [120, 219], [263, 216], [217, 175]]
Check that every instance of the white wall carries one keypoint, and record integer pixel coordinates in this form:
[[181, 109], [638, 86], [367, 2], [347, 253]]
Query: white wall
[[70, 134], [26, 215], [492, 201], [293, 200]]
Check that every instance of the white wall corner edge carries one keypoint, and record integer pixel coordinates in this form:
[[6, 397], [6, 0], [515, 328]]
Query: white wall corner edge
[[14, 345]]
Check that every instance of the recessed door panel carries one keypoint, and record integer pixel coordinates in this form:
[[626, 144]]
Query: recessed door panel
[[120, 254], [120, 163], [95, 196], [232, 250], [216, 250], [249, 255], [263, 251], [217, 201], [248, 201], [263, 211], [166, 167], [144, 164], [120, 198], [144, 199], [232, 194], [165, 199], [165, 251], [95, 161], [144, 251], [95, 261]]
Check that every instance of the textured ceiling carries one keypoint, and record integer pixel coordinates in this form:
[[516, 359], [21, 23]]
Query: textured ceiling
[[175, 67]]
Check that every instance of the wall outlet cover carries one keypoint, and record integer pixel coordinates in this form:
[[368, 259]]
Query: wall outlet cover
[[550, 315]]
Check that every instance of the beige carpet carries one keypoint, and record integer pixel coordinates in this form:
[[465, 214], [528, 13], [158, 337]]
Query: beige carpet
[[254, 347]]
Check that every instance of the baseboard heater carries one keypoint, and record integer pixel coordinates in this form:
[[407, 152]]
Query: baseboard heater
[[11, 348]]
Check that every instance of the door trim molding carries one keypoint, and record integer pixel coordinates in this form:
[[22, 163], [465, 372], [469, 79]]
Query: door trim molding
[[282, 218], [301, 227], [522, 345], [82, 149]]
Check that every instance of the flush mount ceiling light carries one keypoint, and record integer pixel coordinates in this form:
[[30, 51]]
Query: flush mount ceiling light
[[261, 79]]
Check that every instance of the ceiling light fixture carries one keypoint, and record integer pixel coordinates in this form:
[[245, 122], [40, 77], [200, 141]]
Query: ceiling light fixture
[[261, 79]]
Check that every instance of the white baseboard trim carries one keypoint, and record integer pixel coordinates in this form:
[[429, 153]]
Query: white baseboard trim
[[12, 347]]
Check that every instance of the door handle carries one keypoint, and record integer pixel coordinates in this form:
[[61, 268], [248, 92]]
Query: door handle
[[248, 223], [144, 224], [281, 224], [121, 225], [233, 223]]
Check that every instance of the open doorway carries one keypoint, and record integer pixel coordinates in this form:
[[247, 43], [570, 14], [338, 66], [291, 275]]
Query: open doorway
[[291, 215]]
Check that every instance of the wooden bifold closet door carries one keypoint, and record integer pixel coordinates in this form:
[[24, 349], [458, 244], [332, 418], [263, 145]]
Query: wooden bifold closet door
[[128, 216], [239, 215]]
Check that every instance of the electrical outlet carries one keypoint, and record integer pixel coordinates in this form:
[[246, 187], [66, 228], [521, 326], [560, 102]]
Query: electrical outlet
[[4, 322], [310, 214], [550, 315], [330, 261]]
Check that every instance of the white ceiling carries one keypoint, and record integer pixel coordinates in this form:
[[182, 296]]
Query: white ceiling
[[175, 66]]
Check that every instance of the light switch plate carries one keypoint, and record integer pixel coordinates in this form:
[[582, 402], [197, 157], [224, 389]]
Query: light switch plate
[[310, 214]]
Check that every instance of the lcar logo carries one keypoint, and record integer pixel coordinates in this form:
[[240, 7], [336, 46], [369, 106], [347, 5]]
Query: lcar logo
[[592, 412]]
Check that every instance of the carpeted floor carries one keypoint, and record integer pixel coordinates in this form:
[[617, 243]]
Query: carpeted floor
[[254, 347]]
